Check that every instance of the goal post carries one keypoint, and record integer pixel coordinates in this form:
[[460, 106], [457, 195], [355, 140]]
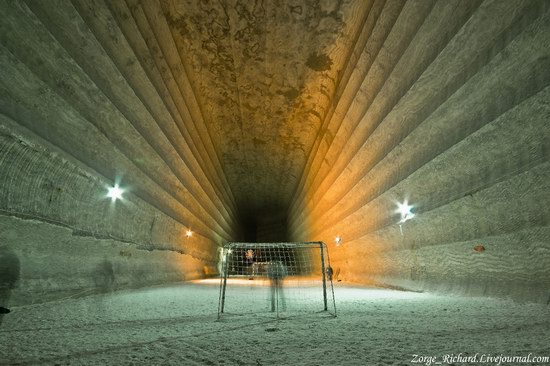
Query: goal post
[[289, 278]]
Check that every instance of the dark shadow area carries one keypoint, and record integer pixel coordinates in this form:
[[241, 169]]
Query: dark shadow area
[[9, 275], [104, 276], [267, 225]]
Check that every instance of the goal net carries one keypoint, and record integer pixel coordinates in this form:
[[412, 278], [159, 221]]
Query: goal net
[[287, 278]]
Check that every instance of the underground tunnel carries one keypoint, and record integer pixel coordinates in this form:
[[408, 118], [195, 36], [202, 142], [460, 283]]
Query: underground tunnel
[[148, 148]]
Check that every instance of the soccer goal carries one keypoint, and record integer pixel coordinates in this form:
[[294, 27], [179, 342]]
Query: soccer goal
[[278, 278]]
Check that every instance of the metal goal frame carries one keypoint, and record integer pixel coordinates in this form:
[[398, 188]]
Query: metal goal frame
[[326, 269]]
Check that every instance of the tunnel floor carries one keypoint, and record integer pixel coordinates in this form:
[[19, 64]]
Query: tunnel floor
[[177, 325]]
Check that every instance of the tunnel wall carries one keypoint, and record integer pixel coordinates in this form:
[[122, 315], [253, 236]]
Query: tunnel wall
[[445, 104], [79, 113]]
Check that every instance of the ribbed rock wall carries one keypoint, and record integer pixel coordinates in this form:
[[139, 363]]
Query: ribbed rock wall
[[83, 107], [445, 104], [213, 116]]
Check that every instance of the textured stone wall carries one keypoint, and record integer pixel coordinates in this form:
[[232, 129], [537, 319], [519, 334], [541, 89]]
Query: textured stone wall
[[288, 120], [79, 113], [446, 105]]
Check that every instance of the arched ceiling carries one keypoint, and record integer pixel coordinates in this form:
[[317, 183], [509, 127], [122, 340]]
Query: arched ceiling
[[263, 74]]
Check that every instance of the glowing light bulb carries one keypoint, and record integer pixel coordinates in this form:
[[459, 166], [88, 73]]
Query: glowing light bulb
[[405, 210], [115, 193], [338, 240], [189, 233]]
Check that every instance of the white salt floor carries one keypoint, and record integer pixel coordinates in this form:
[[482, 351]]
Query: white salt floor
[[176, 325]]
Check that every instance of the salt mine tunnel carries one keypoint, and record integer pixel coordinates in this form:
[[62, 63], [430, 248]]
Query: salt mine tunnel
[[137, 137]]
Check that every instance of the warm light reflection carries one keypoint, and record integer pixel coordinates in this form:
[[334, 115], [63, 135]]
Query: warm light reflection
[[189, 233], [291, 281], [338, 240]]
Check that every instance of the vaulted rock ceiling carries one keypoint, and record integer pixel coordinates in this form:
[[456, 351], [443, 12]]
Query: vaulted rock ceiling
[[264, 73], [280, 120]]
